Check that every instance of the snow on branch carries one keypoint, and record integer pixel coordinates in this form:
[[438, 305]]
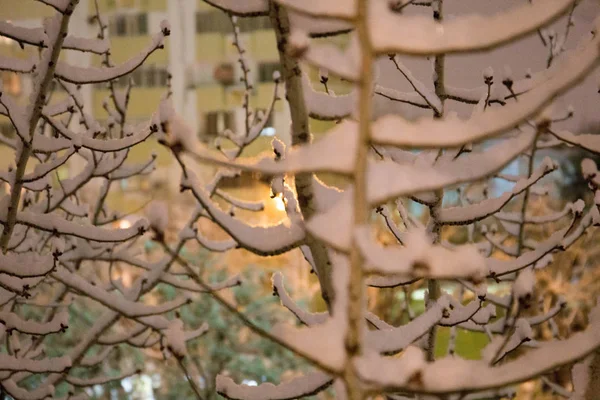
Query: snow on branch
[[419, 258], [55, 364], [33, 36], [23, 66], [17, 392], [559, 240], [476, 212], [296, 388], [395, 339], [100, 145], [58, 5], [342, 63], [395, 33], [87, 75], [342, 9], [498, 348], [100, 356], [37, 37], [589, 142], [316, 27], [12, 321], [430, 98], [453, 375], [98, 380], [17, 116], [327, 106], [318, 157], [307, 318], [585, 377], [25, 265], [112, 301], [388, 180], [269, 240], [59, 226], [568, 209], [95, 46], [450, 131], [324, 342], [384, 182], [58, 238], [242, 8], [216, 245]]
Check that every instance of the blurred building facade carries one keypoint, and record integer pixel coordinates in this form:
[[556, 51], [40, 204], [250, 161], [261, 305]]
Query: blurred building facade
[[199, 55]]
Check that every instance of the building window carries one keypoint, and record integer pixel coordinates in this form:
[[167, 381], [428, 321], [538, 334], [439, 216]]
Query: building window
[[162, 77], [266, 70], [142, 24], [217, 121], [212, 22], [121, 3], [128, 25], [119, 28], [218, 22], [136, 75], [149, 76]]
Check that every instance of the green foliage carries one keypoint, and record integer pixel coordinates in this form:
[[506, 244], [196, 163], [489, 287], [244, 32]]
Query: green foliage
[[229, 346], [468, 344]]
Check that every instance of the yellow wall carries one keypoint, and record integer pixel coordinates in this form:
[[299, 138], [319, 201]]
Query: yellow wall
[[142, 151], [27, 9], [142, 103], [210, 47], [201, 5], [126, 47], [113, 5], [263, 46], [210, 98], [261, 96], [13, 50]]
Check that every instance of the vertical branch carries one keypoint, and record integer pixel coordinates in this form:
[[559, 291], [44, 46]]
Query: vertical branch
[[45, 73], [593, 385], [520, 237], [292, 76], [523, 209], [190, 378], [439, 62], [433, 286], [245, 70], [356, 290]]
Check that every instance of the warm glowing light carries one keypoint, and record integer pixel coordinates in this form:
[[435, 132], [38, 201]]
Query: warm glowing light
[[126, 278], [279, 203], [124, 224], [529, 386]]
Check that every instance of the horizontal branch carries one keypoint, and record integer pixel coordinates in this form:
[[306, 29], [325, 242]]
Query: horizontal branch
[[450, 131], [303, 386], [57, 324], [476, 212], [87, 75], [422, 35]]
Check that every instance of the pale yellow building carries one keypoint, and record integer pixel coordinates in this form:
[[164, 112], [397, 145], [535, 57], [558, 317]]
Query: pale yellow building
[[199, 54]]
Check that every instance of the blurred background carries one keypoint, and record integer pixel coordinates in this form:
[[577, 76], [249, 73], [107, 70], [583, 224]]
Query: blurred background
[[199, 65]]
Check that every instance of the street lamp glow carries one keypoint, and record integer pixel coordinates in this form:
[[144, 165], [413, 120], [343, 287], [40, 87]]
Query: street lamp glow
[[279, 203]]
